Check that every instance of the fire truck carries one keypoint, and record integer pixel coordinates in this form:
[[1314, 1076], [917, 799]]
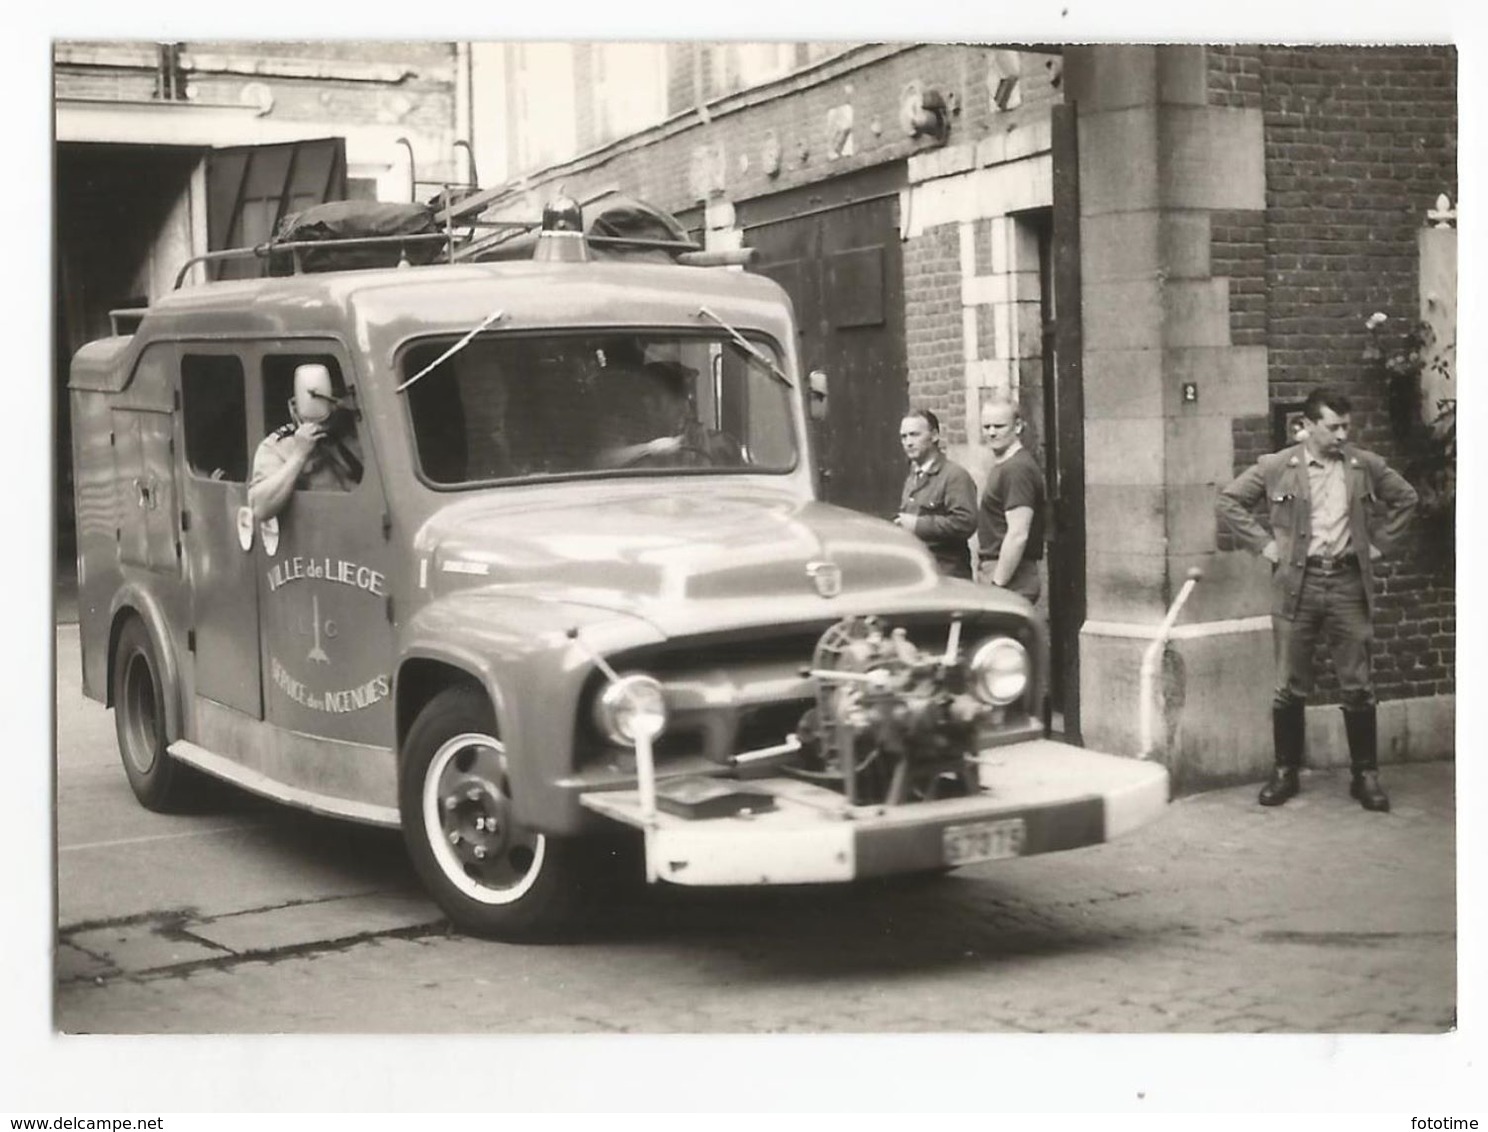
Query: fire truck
[[574, 578]]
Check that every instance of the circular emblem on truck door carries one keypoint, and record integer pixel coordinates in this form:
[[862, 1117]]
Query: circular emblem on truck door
[[245, 527]]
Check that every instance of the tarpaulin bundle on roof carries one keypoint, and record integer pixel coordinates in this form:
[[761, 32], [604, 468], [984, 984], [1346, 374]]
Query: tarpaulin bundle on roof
[[630, 219], [356, 219], [613, 217]]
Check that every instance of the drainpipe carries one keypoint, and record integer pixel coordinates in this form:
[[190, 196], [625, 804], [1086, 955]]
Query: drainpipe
[[464, 101], [699, 87], [1150, 660], [412, 171]]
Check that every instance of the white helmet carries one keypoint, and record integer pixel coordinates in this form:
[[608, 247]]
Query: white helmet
[[313, 394]]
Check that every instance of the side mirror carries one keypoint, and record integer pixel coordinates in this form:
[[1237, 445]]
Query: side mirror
[[817, 391]]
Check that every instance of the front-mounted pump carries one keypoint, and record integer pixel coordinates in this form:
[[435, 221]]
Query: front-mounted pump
[[892, 726]]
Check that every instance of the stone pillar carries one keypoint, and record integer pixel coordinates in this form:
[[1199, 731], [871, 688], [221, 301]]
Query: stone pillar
[[1163, 382]]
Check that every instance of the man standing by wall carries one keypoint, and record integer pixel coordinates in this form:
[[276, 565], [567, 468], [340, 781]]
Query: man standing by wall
[[938, 503], [1334, 510], [1013, 513]]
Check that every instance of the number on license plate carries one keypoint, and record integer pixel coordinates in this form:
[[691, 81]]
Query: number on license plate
[[983, 841]]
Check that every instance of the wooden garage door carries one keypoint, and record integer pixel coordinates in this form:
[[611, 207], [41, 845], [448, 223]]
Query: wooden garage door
[[835, 249], [251, 188]]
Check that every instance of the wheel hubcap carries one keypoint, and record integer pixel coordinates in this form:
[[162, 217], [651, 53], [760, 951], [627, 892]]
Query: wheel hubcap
[[468, 821]]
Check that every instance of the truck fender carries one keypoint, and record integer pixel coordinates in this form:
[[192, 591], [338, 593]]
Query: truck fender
[[417, 680]]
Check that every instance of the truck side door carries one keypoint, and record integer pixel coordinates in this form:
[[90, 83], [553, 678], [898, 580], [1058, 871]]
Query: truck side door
[[324, 594]]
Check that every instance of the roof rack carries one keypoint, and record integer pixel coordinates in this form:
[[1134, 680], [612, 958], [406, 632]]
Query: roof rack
[[512, 239], [297, 247]]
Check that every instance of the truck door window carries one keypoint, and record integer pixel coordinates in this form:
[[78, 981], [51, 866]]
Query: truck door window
[[214, 414]]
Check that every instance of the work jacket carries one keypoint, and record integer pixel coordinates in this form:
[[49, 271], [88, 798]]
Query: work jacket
[[1380, 505], [943, 501]]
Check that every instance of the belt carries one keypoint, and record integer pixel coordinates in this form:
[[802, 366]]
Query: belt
[[1328, 563]]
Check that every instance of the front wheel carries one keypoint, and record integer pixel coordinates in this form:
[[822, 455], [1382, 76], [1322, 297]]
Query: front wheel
[[490, 874]]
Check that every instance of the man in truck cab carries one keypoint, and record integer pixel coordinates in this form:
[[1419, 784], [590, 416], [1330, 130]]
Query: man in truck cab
[[316, 451], [656, 422]]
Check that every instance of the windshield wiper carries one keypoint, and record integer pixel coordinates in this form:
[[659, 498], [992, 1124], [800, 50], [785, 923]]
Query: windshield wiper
[[754, 351], [453, 350]]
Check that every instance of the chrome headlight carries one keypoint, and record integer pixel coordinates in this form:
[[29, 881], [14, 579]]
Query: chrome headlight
[[631, 707], [999, 671]]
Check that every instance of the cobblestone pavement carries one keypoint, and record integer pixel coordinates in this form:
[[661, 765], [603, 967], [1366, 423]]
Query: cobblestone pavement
[[1220, 916]]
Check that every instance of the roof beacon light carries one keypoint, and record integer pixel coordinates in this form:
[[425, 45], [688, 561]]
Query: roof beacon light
[[562, 238]]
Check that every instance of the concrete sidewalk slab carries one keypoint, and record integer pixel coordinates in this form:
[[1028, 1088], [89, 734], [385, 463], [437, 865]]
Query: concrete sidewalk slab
[[322, 921], [142, 947]]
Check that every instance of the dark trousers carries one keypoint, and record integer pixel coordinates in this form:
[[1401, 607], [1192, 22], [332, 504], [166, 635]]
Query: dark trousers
[[1332, 609]]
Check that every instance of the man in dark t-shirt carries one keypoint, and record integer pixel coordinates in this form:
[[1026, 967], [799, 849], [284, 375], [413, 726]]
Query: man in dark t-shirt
[[1014, 507]]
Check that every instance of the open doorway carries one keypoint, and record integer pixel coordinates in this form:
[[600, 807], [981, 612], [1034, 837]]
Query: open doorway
[[123, 223]]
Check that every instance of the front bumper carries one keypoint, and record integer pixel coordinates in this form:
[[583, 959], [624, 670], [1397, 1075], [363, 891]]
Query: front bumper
[[1036, 797]]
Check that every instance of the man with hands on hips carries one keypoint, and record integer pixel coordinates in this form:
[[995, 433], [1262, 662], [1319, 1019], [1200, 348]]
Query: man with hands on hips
[[1334, 510]]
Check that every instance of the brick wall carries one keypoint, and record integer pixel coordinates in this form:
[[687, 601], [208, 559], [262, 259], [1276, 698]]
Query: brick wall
[[334, 86], [933, 327], [981, 234], [418, 90], [586, 128], [105, 84], [1359, 141], [425, 58], [657, 165], [1237, 252], [680, 72], [1235, 76]]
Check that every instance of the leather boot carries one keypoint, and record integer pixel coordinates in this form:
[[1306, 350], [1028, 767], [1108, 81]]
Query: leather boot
[[1363, 741], [1287, 723]]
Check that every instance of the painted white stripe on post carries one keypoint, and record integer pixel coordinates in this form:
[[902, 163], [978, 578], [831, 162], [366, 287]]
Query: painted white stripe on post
[[1195, 631]]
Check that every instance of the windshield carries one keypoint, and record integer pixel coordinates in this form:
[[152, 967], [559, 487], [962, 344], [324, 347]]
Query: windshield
[[512, 407]]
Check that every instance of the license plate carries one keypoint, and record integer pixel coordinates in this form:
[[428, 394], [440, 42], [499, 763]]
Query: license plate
[[983, 841]]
